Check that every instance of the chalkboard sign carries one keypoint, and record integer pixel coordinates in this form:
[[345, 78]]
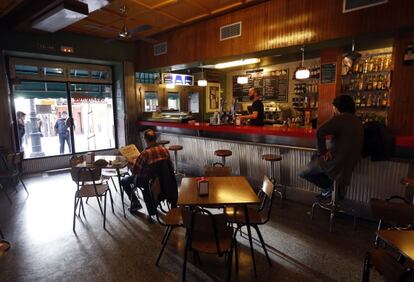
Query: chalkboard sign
[[352, 5], [328, 73], [273, 86]]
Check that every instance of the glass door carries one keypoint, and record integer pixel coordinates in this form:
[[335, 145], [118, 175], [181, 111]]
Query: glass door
[[93, 116]]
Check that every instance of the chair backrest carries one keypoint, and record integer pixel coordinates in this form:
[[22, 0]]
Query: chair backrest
[[201, 221], [14, 161], [75, 160], [85, 174], [217, 171], [266, 197], [397, 214]]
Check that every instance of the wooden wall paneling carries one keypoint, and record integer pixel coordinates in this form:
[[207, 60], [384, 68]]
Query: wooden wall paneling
[[131, 103], [275, 24], [401, 112], [327, 92]]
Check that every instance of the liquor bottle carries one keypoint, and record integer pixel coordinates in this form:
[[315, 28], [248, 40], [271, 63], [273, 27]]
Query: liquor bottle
[[374, 82], [379, 82], [358, 100], [369, 100], [385, 101], [363, 102]]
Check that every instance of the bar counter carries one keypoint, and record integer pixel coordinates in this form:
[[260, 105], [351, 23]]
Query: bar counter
[[295, 145]]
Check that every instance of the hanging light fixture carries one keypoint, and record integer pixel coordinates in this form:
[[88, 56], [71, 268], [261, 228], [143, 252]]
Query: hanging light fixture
[[242, 79], [202, 82], [302, 72]]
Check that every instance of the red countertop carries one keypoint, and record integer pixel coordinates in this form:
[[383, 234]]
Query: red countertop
[[401, 141], [245, 129]]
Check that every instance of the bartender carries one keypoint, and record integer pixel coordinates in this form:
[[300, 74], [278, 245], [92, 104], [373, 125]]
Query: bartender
[[256, 115]]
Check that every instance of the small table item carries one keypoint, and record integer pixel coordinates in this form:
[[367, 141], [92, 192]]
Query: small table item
[[402, 240]]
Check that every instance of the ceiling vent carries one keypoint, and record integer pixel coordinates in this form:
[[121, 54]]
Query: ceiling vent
[[160, 48], [230, 31]]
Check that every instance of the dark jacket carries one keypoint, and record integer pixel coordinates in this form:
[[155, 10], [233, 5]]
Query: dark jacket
[[347, 137], [378, 142]]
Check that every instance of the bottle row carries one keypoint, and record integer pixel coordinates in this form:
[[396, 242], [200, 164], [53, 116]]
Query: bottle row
[[306, 88], [371, 116], [315, 71], [372, 100], [305, 102], [361, 83], [373, 64]]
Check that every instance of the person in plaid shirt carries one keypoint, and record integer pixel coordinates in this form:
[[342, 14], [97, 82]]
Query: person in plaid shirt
[[141, 169]]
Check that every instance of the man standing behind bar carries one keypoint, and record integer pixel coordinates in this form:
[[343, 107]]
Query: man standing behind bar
[[257, 111], [337, 162]]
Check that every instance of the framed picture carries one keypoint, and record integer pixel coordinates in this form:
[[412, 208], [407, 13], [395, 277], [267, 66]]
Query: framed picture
[[353, 5], [212, 97]]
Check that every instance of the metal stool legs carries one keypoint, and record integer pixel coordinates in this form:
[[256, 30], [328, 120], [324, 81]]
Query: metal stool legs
[[333, 207], [278, 188]]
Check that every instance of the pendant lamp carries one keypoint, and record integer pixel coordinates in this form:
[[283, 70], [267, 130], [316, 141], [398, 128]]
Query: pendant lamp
[[302, 72]]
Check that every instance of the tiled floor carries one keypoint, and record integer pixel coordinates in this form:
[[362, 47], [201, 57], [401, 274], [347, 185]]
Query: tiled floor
[[44, 248]]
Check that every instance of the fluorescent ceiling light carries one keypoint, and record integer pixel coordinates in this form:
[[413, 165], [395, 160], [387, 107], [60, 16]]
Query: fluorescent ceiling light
[[202, 82], [61, 15], [242, 79], [237, 63]]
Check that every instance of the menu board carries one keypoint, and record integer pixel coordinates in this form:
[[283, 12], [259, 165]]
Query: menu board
[[328, 73], [273, 85]]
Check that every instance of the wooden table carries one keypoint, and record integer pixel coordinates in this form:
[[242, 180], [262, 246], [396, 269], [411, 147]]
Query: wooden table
[[223, 191], [117, 167], [402, 240]]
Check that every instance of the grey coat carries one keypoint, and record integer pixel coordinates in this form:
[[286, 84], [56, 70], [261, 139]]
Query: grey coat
[[346, 146]]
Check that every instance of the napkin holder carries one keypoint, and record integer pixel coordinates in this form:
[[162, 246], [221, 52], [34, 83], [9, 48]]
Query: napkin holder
[[202, 186]]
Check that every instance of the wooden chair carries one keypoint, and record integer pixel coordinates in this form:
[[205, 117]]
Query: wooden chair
[[217, 171], [257, 216], [392, 214], [165, 215], [89, 184], [388, 265], [208, 233], [13, 172]]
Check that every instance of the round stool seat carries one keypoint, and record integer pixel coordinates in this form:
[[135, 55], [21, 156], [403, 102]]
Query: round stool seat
[[223, 153], [175, 148], [409, 181], [271, 158], [163, 142]]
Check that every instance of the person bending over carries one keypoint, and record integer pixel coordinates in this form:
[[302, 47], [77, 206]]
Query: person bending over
[[142, 170], [337, 161]]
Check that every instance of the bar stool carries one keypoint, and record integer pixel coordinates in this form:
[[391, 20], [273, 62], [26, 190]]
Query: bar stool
[[408, 182], [223, 154], [278, 188], [175, 149], [333, 206], [163, 142]]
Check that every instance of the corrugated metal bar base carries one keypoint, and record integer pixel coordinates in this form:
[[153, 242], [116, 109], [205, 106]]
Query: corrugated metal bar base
[[370, 179]]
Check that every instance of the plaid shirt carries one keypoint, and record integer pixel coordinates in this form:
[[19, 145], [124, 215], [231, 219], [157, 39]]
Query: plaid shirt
[[147, 157]]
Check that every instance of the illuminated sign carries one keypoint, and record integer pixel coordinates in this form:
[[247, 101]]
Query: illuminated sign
[[178, 79]]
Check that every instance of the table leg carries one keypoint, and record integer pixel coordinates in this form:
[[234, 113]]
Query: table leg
[[121, 190], [249, 232]]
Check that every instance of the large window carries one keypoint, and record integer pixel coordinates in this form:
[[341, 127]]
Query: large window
[[71, 115]]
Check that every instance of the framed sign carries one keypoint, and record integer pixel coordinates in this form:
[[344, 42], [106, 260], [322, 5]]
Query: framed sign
[[352, 5], [212, 97], [328, 73]]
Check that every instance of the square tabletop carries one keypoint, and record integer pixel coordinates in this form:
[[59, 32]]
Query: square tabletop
[[228, 190], [402, 240]]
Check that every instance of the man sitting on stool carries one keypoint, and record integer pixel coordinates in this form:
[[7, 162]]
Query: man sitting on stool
[[338, 161], [142, 171]]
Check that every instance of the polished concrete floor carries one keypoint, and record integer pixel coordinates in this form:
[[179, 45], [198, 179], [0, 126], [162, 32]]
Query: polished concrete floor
[[44, 248]]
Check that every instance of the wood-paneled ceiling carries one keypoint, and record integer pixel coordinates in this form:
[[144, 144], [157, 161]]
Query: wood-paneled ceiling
[[161, 15]]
